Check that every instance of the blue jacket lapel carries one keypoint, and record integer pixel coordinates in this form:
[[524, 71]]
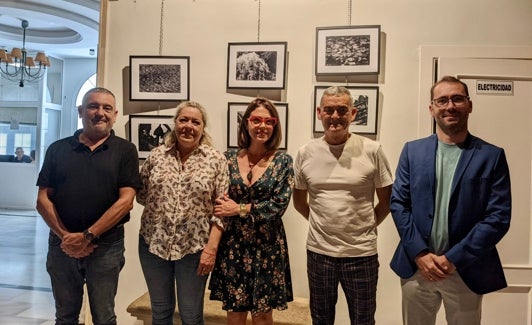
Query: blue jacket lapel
[[468, 150]]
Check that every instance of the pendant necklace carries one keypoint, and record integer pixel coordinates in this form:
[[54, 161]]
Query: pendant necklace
[[250, 173], [249, 176]]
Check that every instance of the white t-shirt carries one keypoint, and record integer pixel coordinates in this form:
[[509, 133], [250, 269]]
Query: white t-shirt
[[342, 220]]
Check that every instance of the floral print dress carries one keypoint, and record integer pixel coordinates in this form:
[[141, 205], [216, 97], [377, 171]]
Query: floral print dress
[[252, 271]]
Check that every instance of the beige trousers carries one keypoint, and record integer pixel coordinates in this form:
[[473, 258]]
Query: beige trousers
[[422, 299]]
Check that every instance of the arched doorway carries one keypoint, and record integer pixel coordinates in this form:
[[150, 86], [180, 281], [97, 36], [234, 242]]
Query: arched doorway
[[88, 84]]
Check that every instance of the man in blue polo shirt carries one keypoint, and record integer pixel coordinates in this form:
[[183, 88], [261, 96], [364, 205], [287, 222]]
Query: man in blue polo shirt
[[86, 189]]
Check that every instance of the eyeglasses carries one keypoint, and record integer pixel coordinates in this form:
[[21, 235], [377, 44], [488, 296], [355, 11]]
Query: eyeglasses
[[458, 100], [341, 110], [258, 120]]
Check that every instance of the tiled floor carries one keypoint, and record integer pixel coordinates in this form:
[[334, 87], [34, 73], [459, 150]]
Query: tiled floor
[[25, 294]]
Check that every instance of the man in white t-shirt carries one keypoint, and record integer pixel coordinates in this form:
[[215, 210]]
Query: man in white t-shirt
[[336, 178]]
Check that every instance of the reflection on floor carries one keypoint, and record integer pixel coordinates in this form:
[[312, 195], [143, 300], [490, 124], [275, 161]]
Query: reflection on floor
[[25, 294]]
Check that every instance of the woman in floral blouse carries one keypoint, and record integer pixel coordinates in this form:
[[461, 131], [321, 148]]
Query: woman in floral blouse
[[252, 272], [179, 235]]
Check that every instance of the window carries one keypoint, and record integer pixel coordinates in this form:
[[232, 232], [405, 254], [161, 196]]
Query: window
[[25, 137], [3, 143], [23, 140]]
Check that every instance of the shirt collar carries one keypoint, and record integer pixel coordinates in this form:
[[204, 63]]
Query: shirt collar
[[78, 145]]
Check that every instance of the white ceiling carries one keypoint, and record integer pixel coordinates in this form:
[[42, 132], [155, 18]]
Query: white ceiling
[[61, 28]]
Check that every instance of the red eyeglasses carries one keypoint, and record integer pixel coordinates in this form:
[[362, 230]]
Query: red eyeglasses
[[258, 120]]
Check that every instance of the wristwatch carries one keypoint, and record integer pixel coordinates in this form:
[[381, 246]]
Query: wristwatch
[[88, 235]]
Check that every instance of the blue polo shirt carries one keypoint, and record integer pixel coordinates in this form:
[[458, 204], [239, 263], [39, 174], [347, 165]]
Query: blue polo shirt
[[86, 183]]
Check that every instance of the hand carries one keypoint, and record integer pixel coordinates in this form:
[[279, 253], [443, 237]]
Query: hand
[[206, 264], [75, 245], [226, 207], [82, 253], [444, 264], [433, 267]]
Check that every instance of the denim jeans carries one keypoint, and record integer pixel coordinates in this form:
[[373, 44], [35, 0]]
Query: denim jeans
[[162, 277], [99, 271]]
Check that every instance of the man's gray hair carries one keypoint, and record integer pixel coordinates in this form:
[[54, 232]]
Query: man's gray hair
[[337, 91], [95, 90]]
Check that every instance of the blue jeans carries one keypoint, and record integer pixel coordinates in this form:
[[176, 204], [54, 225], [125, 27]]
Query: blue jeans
[[99, 271], [358, 278], [162, 277]]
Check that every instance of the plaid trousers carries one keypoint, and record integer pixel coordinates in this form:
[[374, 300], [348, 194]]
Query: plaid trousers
[[358, 278]]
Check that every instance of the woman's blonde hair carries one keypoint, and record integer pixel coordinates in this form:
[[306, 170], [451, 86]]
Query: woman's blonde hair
[[170, 138]]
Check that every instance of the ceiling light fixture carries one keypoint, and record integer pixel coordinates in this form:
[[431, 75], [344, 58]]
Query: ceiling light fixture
[[18, 66]]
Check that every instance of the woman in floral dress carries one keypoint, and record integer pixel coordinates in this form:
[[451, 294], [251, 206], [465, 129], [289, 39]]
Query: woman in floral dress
[[252, 271]]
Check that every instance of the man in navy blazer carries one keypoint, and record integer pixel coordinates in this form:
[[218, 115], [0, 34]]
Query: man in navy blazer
[[451, 204]]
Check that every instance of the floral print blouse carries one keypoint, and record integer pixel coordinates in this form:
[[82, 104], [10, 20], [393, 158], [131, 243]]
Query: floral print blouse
[[179, 199]]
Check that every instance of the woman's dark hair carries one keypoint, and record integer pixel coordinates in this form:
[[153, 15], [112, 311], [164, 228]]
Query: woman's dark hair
[[244, 139]]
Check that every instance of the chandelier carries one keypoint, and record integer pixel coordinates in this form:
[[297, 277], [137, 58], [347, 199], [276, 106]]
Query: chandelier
[[19, 67]]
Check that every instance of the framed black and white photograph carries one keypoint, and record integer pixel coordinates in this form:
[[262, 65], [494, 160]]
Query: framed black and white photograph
[[235, 112], [256, 65], [347, 50], [365, 99], [148, 131], [159, 78]]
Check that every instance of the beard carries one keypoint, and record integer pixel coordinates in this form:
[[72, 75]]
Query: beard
[[452, 128]]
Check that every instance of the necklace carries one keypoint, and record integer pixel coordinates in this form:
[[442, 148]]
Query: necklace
[[250, 173], [249, 176]]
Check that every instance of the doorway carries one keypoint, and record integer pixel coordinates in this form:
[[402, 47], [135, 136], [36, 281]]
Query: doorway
[[87, 85]]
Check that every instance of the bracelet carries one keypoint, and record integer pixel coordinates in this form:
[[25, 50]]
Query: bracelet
[[243, 211]]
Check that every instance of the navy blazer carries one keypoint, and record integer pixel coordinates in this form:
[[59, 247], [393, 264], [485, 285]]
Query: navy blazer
[[479, 210]]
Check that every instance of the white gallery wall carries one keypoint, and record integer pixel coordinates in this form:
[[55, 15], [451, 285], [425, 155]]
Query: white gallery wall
[[202, 29]]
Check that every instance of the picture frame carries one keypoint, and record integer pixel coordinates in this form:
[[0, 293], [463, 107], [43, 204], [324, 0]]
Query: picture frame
[[347, 50], [235, 111], [365, 98], [159, 78], [147, 131], [268, 68]]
